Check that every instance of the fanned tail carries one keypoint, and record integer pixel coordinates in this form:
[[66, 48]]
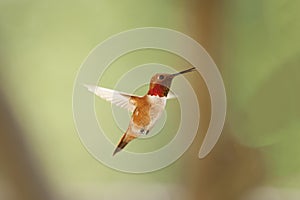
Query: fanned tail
[[126, 138]]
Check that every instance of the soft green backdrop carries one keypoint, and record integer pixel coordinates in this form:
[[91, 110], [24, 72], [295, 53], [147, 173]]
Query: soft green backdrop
[[43, 44]]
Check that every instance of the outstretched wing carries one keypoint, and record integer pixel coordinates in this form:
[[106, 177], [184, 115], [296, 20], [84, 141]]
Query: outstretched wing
[[118, 98], [171, 95]]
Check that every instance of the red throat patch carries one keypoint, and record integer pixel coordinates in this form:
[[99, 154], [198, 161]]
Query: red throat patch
[[158, 90]]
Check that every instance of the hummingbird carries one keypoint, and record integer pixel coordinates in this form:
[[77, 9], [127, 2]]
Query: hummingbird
[[146, 110]]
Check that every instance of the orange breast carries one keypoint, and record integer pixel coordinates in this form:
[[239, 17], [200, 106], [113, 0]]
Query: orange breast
[[141, 115]]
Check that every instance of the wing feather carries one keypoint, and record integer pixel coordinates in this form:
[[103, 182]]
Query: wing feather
[[118, 98], [171, 95]]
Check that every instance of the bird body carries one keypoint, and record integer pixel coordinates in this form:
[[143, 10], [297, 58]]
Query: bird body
[[146, 109], [147, 112]]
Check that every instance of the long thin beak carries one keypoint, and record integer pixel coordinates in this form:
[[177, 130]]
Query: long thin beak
[[185, 71]]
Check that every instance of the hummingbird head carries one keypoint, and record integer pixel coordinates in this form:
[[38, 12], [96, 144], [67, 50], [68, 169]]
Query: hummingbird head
[[160, 83]]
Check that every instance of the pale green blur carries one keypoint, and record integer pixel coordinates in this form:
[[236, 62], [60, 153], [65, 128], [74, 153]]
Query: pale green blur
[[43, 44]]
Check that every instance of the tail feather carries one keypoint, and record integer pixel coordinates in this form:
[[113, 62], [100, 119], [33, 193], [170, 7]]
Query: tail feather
[[126, 138]]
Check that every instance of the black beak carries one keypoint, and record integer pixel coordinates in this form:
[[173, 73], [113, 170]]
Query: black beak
[[185, 71]]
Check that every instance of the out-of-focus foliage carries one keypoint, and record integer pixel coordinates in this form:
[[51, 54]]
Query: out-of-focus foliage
[[262, 80], [43, 43]]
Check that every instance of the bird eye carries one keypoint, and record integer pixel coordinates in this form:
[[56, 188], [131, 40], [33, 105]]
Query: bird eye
[[161, 77]]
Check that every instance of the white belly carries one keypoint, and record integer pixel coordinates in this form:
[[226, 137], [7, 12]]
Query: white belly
[[157, 107]]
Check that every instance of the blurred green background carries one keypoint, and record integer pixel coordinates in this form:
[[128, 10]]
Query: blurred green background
[[255, 44]]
